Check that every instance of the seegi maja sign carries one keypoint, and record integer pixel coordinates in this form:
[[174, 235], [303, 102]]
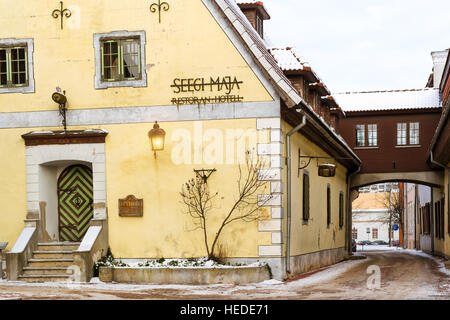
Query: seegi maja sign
[[221, 86]]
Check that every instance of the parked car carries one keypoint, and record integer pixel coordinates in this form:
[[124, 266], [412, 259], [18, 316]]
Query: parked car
[[365, 243], [380, 242], [353, 245], [395, 243]]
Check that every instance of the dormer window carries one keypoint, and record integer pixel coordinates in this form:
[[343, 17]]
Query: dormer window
[[259, 25], [256, 14]]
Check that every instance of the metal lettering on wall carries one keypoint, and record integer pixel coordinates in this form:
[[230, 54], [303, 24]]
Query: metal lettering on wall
[[131, 207], [220, 87]]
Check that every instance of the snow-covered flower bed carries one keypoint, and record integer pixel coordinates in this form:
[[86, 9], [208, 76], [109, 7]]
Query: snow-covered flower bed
[[180, 263]]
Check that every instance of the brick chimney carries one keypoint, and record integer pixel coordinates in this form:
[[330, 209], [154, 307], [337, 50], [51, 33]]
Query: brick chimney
[[255, 13]]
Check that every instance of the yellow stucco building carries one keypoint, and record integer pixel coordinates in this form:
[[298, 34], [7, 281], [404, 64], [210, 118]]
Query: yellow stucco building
[[200, 70]]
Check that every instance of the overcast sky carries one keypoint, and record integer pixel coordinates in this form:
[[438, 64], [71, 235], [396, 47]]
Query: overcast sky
[[356, 45]]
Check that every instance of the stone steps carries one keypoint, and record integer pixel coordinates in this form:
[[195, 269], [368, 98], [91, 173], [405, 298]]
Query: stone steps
[[53, 254], [58, 246], [45, 278], [50, 262], [29, 271]]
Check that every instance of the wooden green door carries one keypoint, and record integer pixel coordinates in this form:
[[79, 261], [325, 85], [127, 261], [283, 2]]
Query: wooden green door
[[75, 198]]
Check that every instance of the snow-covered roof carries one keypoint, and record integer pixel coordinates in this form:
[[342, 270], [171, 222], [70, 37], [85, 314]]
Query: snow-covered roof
[[287, 59], [389, 100], [252, 3]]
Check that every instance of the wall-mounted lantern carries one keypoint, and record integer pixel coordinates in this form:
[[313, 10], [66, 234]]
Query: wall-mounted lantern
[[327, 170], [61, 99], [157, 138]]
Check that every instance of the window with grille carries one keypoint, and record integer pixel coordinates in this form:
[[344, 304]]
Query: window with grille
[[442, 219], [305, 196], [414, 133], [372, 135], [360, 135], [374, 233], [328, 205], [121, 59], [341, 209], [401, 133], [437, 222], [13, 67], [354, 233]]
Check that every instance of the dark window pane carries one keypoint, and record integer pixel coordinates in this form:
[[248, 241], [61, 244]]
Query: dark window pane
[[15, 78], [22, 53], [3, 66], [3, 55], [106, 61], [114, 47], [14, 54], [22, 66], [106, 48], [3, 79], [22, 78], [107, 73]]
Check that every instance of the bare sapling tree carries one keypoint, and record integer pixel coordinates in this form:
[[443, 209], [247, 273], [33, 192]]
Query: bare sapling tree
[[199, 201], [394, 214]]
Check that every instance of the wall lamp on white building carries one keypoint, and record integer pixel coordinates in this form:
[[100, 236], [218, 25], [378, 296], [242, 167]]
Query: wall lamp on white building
[[157, 138]]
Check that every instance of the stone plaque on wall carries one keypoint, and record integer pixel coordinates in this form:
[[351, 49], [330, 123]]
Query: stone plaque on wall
[[131, 207]]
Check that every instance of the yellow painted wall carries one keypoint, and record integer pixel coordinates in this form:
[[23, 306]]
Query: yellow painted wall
[[13, 196], [315, 236], [187, 44], [131, 168], [164, 231]]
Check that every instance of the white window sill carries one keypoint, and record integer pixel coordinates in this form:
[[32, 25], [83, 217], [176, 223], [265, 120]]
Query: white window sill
[[365, 148], [409, 146]]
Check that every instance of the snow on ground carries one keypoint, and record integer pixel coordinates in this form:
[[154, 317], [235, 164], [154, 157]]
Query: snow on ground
[[276, 287], [376, 248]]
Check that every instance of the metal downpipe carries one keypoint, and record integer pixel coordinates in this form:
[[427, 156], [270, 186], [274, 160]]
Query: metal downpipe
[[289, 197]]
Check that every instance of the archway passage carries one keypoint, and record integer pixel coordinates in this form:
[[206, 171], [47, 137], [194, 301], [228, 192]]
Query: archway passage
[[75, 199]]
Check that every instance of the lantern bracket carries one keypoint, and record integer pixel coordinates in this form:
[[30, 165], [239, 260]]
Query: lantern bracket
[[305, 161], [204, 173]]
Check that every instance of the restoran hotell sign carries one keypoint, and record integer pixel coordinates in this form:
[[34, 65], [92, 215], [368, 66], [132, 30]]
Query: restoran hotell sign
[[214, 89]]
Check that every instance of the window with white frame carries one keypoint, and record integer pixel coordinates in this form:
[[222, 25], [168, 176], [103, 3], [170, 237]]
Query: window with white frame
[[372, 135], [413, 133], [360, 135], [16, 66], [401, 133], [120, 59]]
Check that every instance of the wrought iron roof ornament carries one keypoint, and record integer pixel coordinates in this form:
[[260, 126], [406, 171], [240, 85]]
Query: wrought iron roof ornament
[[159, 7], [61, 13]]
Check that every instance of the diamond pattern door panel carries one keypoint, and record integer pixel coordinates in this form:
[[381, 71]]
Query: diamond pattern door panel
[[75, 198]]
